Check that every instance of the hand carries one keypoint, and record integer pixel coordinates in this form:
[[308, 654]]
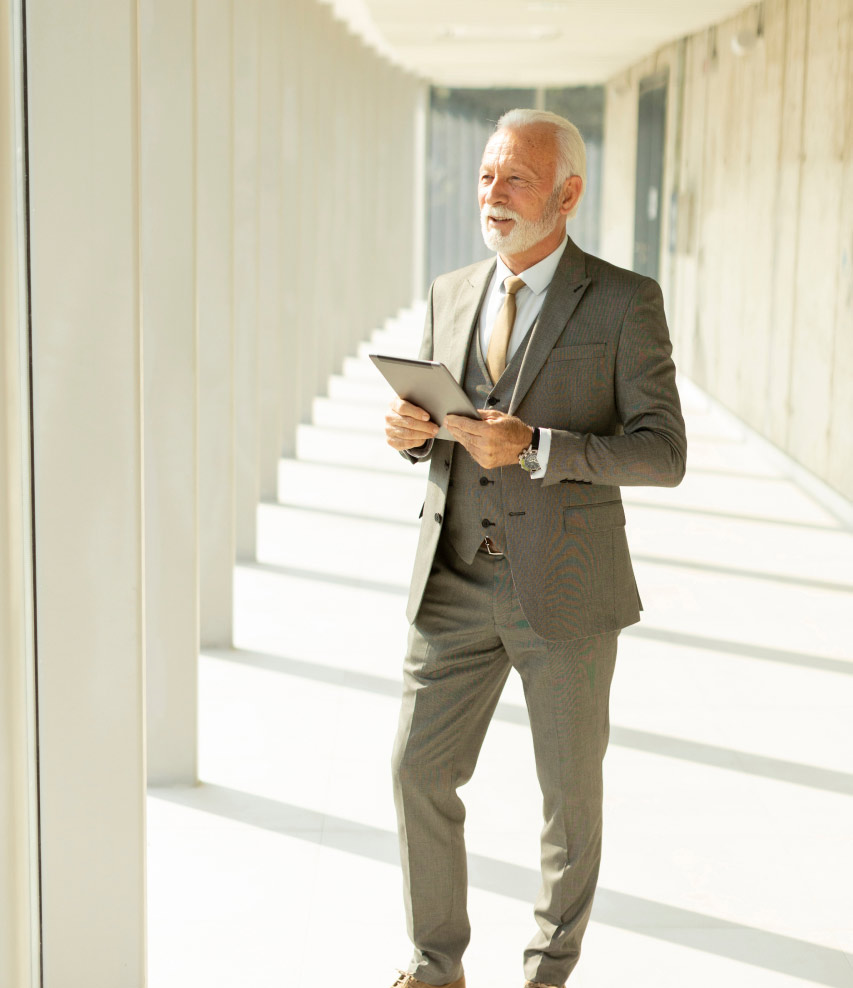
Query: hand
[[407, 426], [495, 441]]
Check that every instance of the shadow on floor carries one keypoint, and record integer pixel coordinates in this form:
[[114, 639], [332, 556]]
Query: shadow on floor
[[746, 944], [812, 776]]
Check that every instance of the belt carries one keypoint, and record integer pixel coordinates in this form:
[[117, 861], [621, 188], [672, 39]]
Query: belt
[[489, 547]]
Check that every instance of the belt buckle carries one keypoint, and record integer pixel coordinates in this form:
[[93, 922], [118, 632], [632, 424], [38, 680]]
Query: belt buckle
[[491, 548]]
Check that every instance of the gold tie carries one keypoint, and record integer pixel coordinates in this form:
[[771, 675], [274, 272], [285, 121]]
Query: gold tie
[[496, 357]]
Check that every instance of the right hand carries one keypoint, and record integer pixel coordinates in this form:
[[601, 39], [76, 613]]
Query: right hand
[[407, 426]]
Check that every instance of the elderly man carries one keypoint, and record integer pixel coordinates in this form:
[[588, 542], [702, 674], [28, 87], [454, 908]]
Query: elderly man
[[522, 560]]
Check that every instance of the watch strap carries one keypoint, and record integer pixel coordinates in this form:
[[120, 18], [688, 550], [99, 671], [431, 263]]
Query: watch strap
[[527, 458]]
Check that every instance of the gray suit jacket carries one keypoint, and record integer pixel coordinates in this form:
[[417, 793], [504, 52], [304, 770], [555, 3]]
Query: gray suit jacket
[[598, 372]]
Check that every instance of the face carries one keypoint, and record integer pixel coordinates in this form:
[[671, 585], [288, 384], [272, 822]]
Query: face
[[519, 206]]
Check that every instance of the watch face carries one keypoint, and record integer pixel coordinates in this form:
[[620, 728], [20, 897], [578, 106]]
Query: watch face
[[529, 460]]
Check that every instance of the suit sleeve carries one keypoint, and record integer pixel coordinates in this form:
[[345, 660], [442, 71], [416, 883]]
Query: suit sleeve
[[651, 448], [424, 452]]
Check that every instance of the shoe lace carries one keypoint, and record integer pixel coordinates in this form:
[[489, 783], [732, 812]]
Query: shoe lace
[[403, 979]]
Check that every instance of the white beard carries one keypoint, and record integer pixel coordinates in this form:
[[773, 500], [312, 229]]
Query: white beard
[[525, 233]]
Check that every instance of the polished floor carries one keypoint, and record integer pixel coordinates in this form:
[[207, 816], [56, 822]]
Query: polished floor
[[728, 849]]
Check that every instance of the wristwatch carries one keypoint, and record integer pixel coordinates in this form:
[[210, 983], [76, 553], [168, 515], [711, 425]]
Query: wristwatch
[[528, 459]]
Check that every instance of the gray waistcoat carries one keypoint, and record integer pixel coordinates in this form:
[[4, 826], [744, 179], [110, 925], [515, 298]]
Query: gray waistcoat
[[475, 500]]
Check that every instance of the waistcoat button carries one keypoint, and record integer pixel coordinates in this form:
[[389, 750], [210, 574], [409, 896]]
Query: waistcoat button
[[493, 400], [438, 517], [484, 481], [486, 523]]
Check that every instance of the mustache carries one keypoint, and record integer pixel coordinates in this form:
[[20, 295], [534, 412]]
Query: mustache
[[498, 213]]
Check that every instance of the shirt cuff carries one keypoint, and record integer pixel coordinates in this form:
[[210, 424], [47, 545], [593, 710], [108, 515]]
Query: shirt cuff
[[542, 454]]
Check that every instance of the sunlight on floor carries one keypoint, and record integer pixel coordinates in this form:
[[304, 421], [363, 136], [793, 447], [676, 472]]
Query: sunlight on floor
[[729, 804]]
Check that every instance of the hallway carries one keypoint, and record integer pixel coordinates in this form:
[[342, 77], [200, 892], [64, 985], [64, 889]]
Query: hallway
[[729, 791]]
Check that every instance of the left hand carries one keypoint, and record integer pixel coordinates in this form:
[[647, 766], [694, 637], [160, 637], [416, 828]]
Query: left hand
[[495, 441]]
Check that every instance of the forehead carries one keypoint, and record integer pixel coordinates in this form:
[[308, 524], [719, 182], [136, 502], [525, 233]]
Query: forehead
[[533, 147]]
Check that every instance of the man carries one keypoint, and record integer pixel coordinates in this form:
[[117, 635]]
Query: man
[[522, 560]]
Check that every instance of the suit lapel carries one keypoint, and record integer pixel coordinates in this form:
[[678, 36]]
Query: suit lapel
[[565, 291], [452, 348]]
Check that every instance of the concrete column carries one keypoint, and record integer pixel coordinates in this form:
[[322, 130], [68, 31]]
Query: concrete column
[[348, 146], [87, 431], [619, 170], [214, 309], [309, 149], [167, 187], [367, 218], [271, 284], [246, 204], [339, 191], [290, 216], [19, 920], [419, 286], [353, 231], [323, 273]]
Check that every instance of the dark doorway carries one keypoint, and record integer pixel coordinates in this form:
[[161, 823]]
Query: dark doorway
[[651, 135]]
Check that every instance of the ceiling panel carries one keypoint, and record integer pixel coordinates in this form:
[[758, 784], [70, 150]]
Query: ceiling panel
[[527, 42]]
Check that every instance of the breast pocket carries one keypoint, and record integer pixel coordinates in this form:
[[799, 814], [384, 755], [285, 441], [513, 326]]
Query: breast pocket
[[580, 377], [581, 351]]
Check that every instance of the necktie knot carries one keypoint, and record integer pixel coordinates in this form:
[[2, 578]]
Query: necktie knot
[[513, 285]]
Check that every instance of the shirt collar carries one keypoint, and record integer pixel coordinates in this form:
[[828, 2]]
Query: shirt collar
[[538, 277]]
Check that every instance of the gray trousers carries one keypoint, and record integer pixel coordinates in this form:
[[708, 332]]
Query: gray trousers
[[470, 631]]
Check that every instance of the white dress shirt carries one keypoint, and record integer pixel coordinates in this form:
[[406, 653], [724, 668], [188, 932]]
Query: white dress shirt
[[528, 304]]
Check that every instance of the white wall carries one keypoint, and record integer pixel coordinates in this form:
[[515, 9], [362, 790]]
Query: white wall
[[19, 932], [87, 434], [759, 157], [222, 206]]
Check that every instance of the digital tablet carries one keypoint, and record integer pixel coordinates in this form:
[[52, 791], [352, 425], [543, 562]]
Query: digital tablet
[[427, 384]]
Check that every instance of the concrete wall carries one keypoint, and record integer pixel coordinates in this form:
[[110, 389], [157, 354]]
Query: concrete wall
[[757, 252]]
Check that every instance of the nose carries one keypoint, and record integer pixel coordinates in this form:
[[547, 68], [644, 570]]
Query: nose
[[495, 192]]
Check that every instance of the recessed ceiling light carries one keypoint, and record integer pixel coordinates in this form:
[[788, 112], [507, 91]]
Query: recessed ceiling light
[[508, 34]]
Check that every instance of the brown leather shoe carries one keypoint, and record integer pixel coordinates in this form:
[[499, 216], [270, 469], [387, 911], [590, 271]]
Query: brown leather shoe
[[410, 981]]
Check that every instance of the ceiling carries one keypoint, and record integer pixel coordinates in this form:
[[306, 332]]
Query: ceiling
[[526, 42]]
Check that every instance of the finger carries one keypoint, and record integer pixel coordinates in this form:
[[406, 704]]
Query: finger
[[406, 438], [464, 425], [394, 421], [407, 410]]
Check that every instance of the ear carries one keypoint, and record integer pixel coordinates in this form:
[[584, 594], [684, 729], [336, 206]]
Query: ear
[[572, 189]]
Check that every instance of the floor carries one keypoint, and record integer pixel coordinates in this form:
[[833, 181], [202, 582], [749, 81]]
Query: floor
[[728, 856]]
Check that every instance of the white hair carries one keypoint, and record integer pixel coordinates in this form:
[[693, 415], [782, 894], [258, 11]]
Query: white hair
[[571, 150]]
